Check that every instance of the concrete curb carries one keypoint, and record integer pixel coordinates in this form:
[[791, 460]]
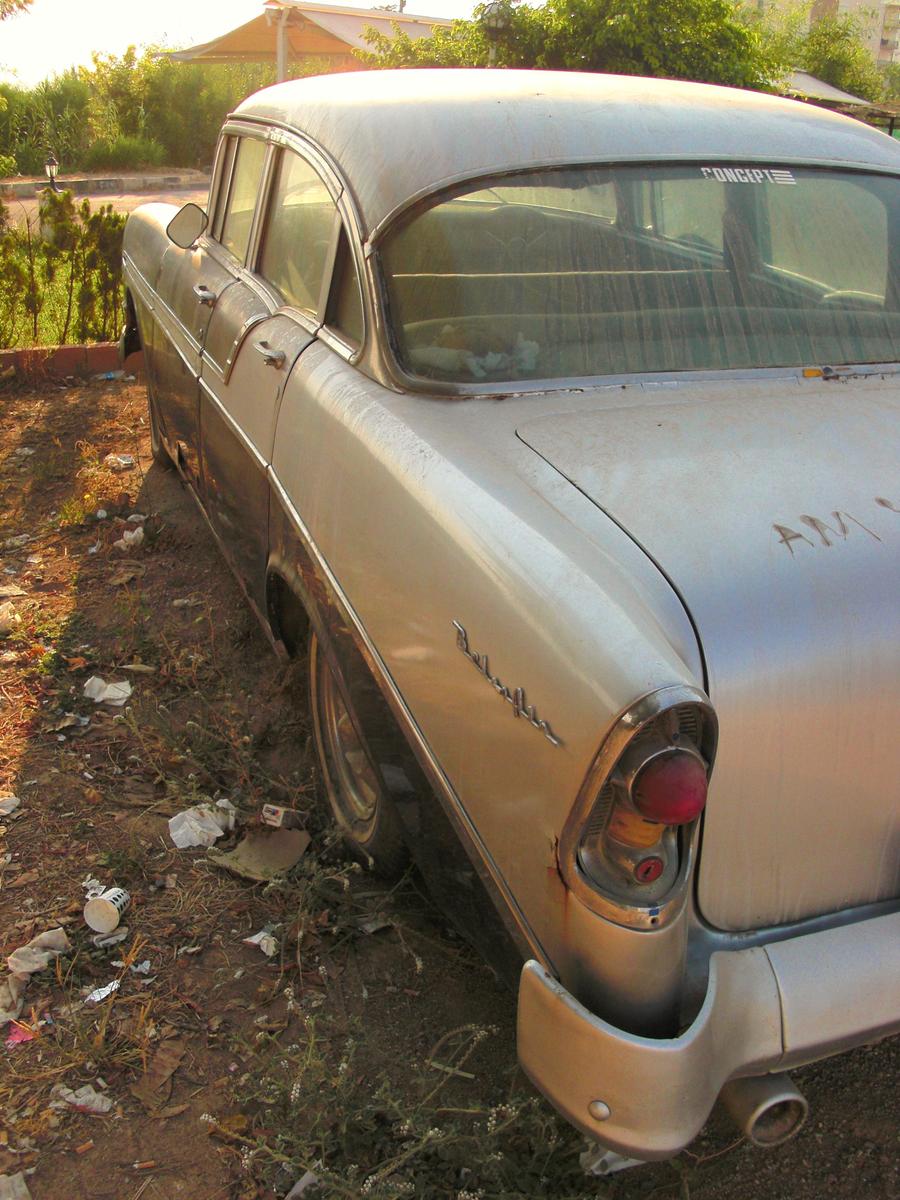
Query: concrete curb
[[114, 184], [56, 362]]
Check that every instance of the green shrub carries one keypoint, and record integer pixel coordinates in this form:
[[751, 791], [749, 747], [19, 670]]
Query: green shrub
[[125, 153], [60, 273], [7, 165]]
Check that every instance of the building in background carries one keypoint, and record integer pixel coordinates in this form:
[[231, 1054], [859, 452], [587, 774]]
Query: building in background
[[320, 37], [879, 18]]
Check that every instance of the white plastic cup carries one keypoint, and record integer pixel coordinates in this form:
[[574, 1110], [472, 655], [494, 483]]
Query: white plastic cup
[[104, 912]]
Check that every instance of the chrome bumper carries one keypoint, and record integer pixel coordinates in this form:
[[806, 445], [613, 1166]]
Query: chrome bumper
[[766, 1009]]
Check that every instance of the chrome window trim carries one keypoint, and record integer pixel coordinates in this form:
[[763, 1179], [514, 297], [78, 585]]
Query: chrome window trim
[[629, 723], [507, 906], [333, 340]]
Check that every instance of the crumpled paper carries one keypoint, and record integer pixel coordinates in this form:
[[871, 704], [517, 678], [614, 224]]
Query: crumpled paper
[[9, 618], [23, 963], [39, 952], [85, 1099], [202, 824], [130, 539], [266, 941], [14, 1187], [101, 692], [100, 993], [119, 462]]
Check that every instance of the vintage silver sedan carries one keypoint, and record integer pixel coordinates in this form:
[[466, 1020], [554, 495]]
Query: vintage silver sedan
[[555, 417]]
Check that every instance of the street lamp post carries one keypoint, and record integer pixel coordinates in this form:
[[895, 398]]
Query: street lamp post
[[51, 167], [495, 21]]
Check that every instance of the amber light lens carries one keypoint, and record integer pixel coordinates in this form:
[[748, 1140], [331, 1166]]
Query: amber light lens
[[670, 789]]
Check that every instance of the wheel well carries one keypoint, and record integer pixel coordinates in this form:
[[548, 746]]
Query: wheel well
[[287, 616], [131, 333]]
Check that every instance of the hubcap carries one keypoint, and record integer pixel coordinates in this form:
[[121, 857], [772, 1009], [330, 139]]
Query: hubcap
[[357, 790]]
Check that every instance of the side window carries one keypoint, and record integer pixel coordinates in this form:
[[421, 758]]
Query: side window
[[345, 314], [238, 215], [217, 212], [689, 211], [299, 232], [834, 235]]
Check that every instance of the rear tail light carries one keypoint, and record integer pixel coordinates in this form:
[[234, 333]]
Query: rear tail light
[[670, 787], [633, 846]]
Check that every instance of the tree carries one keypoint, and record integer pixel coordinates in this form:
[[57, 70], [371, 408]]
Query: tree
[[834, 50], [9, 8], [705, 40], [891, 78]]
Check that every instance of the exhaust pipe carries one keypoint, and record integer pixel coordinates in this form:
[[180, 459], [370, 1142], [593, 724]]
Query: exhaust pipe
[[767, 1109]]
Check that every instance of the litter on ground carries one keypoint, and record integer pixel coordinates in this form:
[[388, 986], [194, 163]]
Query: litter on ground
[[19, 1035], [8, 805], [101, 692], [265, 940], [303, 1184], [202, 824], [85, 1099], [263, 854], [100, 993], [154, 1088], [130, 539], [34, 956], [14, 1187], [9, 618], [104, 940], [119, 462]]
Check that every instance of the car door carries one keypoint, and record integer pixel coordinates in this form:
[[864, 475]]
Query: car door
[[256, 334], [193, 282]]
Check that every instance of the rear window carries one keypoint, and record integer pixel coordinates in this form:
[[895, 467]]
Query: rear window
[[600, 271]]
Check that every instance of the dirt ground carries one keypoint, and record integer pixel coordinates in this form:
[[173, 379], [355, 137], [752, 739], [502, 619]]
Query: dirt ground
[[372, 1049]]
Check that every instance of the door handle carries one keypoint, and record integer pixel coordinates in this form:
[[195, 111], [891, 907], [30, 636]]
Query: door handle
[[204, 294], [272, 358]]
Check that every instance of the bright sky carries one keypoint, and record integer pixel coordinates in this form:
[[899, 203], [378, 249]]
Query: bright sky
[[55, 34]]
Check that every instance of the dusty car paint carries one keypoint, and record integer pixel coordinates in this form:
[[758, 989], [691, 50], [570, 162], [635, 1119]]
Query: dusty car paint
[[499, 629]]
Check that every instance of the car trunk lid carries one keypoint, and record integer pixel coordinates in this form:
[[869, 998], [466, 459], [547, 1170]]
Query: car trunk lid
[[775, 513]]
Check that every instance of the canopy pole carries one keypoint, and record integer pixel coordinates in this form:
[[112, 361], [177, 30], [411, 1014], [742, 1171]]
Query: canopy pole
[[281, 46]]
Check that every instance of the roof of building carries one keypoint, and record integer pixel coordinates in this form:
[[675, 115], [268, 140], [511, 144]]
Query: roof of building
[[397, 135], [807, 87], [312, 29]]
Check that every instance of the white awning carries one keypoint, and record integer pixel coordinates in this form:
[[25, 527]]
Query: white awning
[[807, 87]]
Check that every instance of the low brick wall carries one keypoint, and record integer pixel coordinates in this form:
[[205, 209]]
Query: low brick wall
[[56, 362]]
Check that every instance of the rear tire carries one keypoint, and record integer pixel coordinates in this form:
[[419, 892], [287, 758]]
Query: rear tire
[[357, 794]]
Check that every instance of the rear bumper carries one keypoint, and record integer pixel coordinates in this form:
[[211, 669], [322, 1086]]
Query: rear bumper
[[768, 1008]]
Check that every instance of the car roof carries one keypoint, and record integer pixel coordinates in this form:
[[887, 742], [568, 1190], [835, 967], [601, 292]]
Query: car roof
[[398, 135]]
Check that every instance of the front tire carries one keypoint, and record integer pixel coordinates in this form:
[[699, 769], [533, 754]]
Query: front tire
[[357, 794]]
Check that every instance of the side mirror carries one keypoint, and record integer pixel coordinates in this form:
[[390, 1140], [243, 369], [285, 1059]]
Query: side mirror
[[187, 225]]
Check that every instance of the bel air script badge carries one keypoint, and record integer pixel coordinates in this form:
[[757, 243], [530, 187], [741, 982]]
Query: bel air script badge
[[516, 696]]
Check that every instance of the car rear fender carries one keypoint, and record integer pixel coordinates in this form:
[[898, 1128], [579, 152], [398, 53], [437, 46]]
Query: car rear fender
[[300, 598]]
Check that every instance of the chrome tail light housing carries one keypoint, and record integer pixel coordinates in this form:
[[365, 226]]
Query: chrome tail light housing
[[628, 846]]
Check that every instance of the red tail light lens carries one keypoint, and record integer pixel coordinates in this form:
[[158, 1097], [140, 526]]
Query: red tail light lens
[[670, 788]]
